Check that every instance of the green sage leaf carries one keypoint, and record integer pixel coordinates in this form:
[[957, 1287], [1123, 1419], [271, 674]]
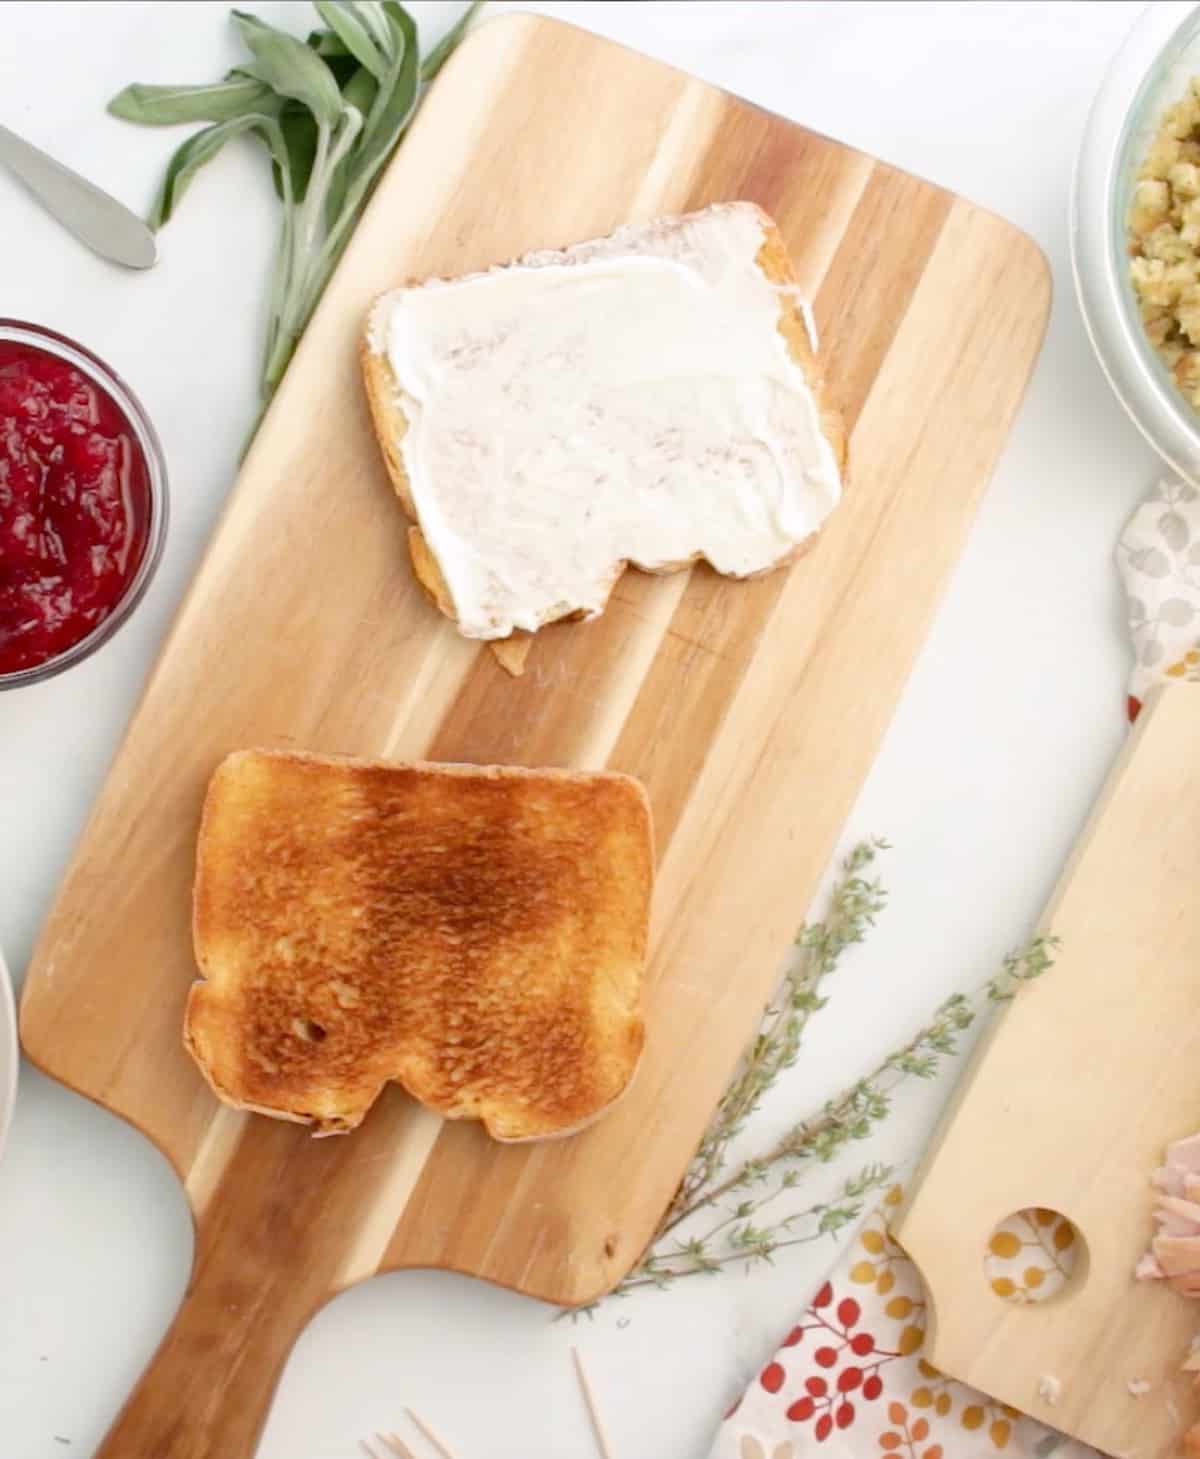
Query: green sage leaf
[[326, 44], [198, 150], [342, 19], [372, 16], [345, 69], [291, 68], [386, 123], [361, 92], [299, 132], [341, 63], [402, 26], [165, 106]]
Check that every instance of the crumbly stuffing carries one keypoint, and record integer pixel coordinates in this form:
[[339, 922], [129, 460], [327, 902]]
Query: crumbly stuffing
[[1164, 242]]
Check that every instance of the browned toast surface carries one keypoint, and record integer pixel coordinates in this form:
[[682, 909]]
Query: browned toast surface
[[476, 934]]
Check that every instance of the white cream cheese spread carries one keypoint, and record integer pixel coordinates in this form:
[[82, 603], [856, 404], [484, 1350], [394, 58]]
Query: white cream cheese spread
[[625, 400]]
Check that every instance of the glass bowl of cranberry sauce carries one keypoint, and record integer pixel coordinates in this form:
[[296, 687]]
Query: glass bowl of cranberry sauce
[[83, 503]]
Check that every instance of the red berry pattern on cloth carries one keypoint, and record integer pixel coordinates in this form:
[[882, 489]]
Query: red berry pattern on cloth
[[850, 1381], [848, 1357]]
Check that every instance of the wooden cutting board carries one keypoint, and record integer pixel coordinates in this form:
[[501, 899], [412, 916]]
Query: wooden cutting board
[[751, 711], [1068, 1105]]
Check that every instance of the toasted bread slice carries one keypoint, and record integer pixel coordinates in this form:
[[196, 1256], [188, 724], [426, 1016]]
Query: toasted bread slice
[[755, 247], [476, 934]]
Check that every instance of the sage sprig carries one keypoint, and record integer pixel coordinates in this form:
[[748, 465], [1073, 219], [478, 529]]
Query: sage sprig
[[330, 110]]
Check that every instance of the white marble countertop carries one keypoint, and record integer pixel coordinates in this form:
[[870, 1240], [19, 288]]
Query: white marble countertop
[[995, 755]]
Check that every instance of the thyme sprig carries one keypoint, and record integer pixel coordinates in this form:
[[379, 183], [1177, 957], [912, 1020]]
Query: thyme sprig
[[737, 1230], [854, 905], [744, 1240]]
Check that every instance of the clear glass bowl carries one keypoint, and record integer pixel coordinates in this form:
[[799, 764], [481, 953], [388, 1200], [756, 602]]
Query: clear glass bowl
[[37, 337], [1148, 73]]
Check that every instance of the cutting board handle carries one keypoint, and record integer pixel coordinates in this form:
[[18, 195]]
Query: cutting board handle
[[208, 1388]]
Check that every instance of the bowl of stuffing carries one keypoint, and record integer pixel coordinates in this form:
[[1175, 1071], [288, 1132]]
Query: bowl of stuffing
[[1135, 230]]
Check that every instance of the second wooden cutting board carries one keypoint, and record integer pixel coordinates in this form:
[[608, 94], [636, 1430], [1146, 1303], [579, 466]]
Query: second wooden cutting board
[[1069, 1106], [751, 711]]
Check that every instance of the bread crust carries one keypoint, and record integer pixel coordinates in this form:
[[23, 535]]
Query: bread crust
[[391, 426], [475, 934]]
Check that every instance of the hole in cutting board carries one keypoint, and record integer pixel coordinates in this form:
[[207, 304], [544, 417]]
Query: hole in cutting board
[[1033, 1255]]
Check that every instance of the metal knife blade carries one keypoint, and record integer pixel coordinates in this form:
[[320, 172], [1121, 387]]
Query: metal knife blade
[[105, 225]]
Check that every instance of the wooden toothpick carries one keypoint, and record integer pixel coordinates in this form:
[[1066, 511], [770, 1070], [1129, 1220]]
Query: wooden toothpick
[[589, 1400], [439, 1444], [396, 1445]]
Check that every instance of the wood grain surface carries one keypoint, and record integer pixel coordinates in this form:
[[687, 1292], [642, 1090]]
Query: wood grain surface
[[1069, 1106], [751, 711]]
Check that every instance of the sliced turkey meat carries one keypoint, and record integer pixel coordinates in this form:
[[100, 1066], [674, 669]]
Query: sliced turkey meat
[[1174, 1255]]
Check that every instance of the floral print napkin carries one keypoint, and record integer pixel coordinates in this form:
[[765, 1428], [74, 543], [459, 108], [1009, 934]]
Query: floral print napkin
[[1159, 560], [850, 1381]]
